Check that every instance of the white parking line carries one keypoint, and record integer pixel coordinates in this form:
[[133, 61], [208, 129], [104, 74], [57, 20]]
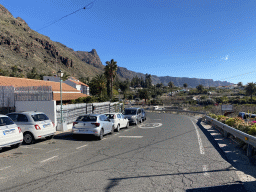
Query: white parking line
[[81, 146], [199, 140], [25, 147], [5, 168], [48, 159], [205, 169], [132, 136], [38, 148], [52, 150]]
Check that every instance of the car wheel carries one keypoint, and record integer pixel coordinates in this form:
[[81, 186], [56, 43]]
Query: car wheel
[[28, 138], [50, 137], [118, 128], [16, 145], [127, 126], [112, 130], [101, 134]]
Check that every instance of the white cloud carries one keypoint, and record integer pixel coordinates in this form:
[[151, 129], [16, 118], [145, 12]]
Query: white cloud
[[225, 58]]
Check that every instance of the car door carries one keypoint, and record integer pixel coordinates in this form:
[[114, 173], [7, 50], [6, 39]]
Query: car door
[[124, 122]]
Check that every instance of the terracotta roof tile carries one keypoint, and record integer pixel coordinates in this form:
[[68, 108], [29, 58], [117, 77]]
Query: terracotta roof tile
[[68, 96], [24, 82]]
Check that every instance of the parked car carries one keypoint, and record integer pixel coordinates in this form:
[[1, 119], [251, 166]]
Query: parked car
[[144, 116], [34, 125], [10, 133], [247, 116], [93, 124], [134, 115], [118, 120]]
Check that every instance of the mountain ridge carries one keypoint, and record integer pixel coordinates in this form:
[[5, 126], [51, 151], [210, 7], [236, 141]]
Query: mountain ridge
[[27, 49]]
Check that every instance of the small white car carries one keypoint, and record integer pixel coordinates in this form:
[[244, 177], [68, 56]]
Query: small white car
[[10, 133], [118, 120], [34, 125], [93, 124]]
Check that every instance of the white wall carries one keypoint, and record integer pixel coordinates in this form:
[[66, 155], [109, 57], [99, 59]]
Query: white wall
[[48, 107]]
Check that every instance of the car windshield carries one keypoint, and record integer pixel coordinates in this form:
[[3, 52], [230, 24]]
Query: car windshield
[[110, 116], [87, 118], [39, 117], [5, 121], [129, 112]]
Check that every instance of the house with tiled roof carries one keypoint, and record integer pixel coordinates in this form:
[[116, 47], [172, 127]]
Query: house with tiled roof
[[68, 92], [71, 81]]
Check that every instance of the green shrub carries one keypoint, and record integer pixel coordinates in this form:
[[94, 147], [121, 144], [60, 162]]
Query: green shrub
[[252, 130], [213, 116], [230, 122]]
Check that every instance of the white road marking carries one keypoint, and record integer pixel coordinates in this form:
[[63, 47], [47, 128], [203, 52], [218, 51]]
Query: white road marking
[[131, 136], [38, 148], [5, 168], [48, 159], [127, 130], [150, 125], [81, 146], [205, 169], [52, 150], [199, 140], [157, 119], [25, 147]]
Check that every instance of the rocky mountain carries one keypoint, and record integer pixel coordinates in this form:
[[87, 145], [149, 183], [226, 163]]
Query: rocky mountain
[[25, 48]]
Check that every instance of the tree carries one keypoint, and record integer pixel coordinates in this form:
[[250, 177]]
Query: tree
[[240, 84], [110, 74], [148, 81], [124, 86], [250, 89], [144, 94], [171, 85], [33, 74], [200, 88], [98, 85], [185, 85]]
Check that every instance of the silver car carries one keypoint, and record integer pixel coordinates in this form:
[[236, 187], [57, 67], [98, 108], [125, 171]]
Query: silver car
[[93, 124], [134, 115]]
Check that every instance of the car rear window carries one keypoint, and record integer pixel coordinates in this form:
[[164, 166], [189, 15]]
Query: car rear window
[[39, 117], [87, 118], [5, 121], [130, 112], [110, 116]]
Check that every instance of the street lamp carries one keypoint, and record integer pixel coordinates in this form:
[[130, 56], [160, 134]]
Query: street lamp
[[60, 75]]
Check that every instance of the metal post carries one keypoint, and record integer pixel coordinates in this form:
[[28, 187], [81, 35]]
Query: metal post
[[61, 114]]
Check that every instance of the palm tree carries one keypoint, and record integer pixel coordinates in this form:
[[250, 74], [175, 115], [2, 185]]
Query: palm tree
[[171, 85], [110, 74], [250, 89], [100, 83], [185, 85]]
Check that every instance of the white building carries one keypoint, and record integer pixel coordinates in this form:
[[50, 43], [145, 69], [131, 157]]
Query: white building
[[71, 81]]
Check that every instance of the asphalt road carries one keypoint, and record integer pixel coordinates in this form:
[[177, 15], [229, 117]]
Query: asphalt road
[[165, 153]]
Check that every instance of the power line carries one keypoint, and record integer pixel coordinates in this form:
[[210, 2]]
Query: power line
[[237, 76], [88, 6]]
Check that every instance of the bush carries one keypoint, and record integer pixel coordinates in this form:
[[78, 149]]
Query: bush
[[230, 122], [252, 130], [213, 116]]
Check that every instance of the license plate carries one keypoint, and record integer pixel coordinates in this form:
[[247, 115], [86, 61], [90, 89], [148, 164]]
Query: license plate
[[8, 132]]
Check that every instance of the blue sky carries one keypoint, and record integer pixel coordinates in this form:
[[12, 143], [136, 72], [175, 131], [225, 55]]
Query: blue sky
[[206, 39]]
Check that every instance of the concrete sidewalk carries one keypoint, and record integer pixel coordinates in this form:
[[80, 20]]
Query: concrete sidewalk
[[244, 166]]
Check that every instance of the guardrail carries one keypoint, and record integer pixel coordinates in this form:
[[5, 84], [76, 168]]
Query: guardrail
[[181, 111], [249, 139]]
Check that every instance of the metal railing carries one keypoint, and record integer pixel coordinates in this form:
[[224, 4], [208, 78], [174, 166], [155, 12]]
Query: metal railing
[[249, 139], [72, 111]]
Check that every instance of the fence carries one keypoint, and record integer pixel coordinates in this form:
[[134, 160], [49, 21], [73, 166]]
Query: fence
[[33, 93], [249, 139], [72, 111]]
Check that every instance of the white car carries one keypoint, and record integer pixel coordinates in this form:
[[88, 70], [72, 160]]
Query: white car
[[34, 125], [118, 120], [10, 133], [92, 124]]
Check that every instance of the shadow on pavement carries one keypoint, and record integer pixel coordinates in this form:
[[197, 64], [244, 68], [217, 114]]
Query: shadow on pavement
[[235, 158], [222, 188]]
